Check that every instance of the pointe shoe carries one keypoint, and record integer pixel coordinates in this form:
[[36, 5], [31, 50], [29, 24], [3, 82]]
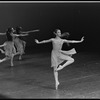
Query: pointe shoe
[[12, 65], [20, 58], [59, 68], [57, 85], [1, 61]]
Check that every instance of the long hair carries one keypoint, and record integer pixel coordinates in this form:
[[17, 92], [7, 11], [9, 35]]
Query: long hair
[[9, 30], [18, 29], [65, 34], [8, 33]]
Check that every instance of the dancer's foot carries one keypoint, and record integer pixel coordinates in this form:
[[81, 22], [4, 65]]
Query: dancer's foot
[[57, 85], [59, 68], [20, 57], [1, 60], [12, 65]]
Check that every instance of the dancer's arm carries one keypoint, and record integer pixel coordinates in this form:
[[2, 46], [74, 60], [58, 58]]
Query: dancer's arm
[[3, 45], [2, 51], [19, 34], [2, 33], [44, 41], [73, 41], [30, 31]]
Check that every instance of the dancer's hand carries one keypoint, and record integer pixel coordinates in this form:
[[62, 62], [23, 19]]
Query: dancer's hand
[[36, 41], [2, 51], [37, 30], [26, 34], [82, 39]]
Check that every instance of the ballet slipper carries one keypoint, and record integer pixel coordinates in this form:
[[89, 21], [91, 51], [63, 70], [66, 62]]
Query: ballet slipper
[[59, 68], [12, 64], [1, 60], [57, 85], [20, 58]]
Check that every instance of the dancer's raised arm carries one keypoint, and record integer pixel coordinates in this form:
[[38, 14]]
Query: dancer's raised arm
[[3, 45], [30, 31], [2, 33], [44, 41], [19, 34], [74, 41]]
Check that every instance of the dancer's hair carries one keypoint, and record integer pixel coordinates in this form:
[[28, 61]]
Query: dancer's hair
[[8, 33], [18, 29], [62, 34], [9, 30], [56, 30]]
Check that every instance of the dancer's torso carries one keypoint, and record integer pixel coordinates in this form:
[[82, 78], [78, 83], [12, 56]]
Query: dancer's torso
[[57, 44]]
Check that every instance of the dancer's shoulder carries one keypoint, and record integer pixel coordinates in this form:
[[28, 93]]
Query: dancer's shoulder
[[52, 39]]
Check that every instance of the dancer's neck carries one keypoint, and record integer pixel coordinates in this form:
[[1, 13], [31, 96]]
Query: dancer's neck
[[57, 37]]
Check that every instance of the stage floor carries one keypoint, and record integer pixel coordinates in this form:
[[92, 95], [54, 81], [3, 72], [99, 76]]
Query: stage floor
[[33, 77]]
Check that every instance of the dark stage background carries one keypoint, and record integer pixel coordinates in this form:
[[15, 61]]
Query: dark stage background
[[79, 19]]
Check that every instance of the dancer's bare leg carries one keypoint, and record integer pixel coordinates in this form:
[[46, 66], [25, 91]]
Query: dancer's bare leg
[[20, 56], [56, 78], [4, 59], [12, 60], [2, 51], [21, 52], [24, 45], [70, 61]]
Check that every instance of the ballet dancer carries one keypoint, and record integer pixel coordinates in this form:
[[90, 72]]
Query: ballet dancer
[[19, 43], [9, 48], [58, 55]]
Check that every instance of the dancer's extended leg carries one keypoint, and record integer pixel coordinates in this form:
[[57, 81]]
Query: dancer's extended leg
[[4, 59], [70, 61]]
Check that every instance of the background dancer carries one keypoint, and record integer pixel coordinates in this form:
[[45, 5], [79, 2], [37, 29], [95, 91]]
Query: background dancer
[[9, 48], [19, 43]]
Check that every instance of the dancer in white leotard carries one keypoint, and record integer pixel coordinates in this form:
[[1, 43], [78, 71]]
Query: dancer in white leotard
[[18, 42], [58, 55], [9, 48]]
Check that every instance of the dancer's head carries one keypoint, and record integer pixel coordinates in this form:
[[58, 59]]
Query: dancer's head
[[57, 32], [10, 30], [18, 29]]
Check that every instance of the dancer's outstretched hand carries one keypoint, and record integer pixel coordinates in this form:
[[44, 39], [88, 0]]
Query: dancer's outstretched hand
[[2, 51], [26, 34], [36, 41], [37, 30], [82, 39]]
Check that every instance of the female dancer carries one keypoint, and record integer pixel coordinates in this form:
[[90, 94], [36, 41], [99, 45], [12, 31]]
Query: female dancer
[[9, 49], [58, 55], [19, 43]]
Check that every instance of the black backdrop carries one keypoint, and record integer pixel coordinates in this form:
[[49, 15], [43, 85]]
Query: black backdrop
[[79, 19]]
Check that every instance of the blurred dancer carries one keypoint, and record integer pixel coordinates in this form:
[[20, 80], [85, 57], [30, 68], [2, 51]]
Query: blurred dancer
[[19, 43], [9, 49]]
